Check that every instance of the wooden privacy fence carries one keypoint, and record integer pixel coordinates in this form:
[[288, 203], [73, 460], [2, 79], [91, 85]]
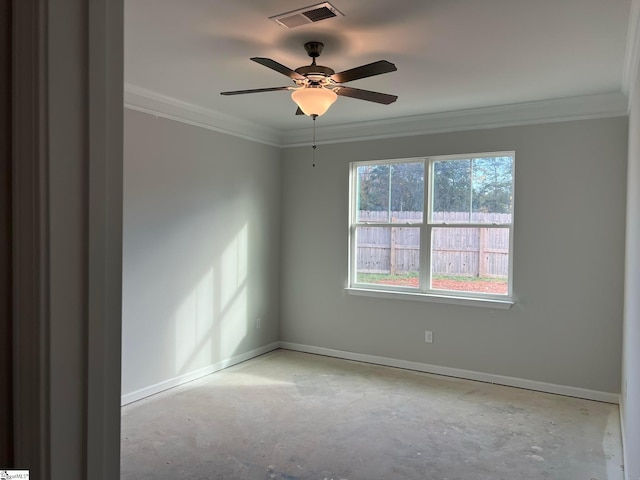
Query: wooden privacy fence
[[481, 252]]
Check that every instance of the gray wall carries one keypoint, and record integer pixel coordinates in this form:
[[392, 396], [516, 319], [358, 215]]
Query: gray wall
[[201, 248], [630, 401], [566, 326]]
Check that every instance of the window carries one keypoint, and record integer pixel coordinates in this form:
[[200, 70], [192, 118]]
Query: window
[[438, 227]]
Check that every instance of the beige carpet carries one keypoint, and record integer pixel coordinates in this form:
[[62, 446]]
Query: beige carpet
[[289, 416]]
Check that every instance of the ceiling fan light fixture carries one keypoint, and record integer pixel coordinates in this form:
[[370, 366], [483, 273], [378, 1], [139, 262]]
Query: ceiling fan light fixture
[[314, 100]]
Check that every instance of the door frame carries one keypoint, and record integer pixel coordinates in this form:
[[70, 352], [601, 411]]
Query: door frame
[[66, 222]]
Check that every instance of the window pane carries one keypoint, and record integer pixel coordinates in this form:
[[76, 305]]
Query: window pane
[[451, 191], [388, 256], [470, 259], [407, 192], [492, 190], [373, 193], [478, 190], [390, 193]]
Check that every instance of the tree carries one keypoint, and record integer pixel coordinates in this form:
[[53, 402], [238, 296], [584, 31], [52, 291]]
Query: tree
[[451, 185], [479, 185], [492, 182], [373, 183], [407, 187], [396, 186], [465, 185]]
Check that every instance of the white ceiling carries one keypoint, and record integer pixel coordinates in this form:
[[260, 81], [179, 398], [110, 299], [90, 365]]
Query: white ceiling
[[451, 54]]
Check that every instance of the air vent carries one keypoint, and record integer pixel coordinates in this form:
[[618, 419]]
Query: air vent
[[310, 14]]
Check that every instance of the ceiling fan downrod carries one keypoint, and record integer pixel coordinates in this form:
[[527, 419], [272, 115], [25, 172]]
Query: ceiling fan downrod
[[314, 146], [314, 49]]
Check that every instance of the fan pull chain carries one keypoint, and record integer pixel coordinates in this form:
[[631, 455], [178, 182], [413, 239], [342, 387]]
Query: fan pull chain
[[314, 138]]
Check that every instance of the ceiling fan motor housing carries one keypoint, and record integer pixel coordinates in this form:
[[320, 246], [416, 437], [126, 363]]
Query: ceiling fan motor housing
[[315, 70], [315, 73], [314, 49]]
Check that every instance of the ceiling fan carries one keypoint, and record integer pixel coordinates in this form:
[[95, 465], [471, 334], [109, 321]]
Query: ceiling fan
[[317, 87]]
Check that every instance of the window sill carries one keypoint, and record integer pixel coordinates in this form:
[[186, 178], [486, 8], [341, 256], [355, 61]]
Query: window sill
[[504, 304]]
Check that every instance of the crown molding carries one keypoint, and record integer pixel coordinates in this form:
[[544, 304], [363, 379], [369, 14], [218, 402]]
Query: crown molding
[[544, 111], [632, 52], [148, 101]]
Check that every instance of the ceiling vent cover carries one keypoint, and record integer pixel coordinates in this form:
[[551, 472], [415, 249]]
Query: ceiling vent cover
[[310, 14]]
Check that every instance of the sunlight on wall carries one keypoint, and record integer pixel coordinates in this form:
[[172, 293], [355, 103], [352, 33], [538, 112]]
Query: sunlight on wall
[[234, 266], [194, 324], [211, 321], [234, 293], [234, 324]]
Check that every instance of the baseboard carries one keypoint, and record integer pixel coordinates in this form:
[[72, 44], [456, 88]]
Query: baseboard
[[188, 377], [375, 359], [458, 373], [624, 443]]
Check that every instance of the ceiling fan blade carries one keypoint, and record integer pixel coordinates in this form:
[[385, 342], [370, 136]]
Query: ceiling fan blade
[[278, 67], [367, 95], [256, 90], [364, 71], [299, 111]]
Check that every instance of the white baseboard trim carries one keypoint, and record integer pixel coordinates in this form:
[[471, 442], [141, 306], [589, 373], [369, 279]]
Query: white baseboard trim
[[458, 373], [375, 359], [188, 377], [624, 443]]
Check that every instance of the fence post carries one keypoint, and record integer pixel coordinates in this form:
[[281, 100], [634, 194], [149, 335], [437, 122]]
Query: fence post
[[482, 258], [392, 253]]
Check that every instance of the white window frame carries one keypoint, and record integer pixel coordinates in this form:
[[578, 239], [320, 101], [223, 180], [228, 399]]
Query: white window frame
[[424, 292]]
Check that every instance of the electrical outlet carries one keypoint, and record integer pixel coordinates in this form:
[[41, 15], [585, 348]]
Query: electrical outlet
[[428, 336], [258, 322]]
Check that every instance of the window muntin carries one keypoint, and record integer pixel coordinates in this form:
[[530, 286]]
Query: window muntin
[[462, 247]]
